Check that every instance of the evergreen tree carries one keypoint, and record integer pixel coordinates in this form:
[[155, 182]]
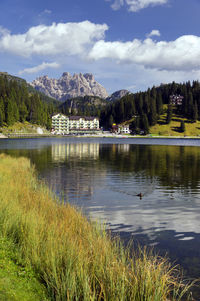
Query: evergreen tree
[[2, 108], [135, 126], [10, 114], [153, 114], [169, 114], [195, 112], [23, 112], [1, 118], [159, 103], [111, 121], [144, 124], [182, 126], [190, 106], [15, 111], [146, 105], [140, 104]]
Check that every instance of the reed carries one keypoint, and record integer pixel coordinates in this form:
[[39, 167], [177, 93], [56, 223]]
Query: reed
[[75, 258]]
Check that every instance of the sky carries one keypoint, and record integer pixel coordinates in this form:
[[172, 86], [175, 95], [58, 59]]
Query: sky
[[126, 44]]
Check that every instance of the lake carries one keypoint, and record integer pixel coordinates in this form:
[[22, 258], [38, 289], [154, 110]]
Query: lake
[[104, 176]]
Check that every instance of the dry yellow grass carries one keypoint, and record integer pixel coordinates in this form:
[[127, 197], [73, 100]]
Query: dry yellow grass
[[75, 258]]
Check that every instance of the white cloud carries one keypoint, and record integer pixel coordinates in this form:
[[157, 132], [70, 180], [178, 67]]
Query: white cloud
[[80, 47], [39, 68], [181, 54], [4, 31], [136, 5], [61, 38], [153, 33], [117, 4], [47, 11]]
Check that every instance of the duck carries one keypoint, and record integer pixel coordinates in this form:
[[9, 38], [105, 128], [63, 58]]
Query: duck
[[140, 195]]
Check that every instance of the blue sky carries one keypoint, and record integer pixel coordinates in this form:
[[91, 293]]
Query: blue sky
[[126, 44]]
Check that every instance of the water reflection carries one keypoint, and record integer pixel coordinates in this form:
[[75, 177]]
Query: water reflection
[[82, 150], [103, 177]]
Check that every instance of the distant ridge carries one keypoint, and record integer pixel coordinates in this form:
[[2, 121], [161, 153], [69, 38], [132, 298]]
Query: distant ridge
[[68, 86], [118, 94]]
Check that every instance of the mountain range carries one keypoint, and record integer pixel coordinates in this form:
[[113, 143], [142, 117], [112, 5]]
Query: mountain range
[[68, 86], [78, 85]]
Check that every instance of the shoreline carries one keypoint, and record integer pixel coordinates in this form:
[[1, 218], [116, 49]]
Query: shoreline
[[23, 136]]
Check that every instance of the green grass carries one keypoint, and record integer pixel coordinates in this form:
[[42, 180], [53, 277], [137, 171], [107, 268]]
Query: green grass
[[192, 129], [17, 282], [22, 128], [75, 258]]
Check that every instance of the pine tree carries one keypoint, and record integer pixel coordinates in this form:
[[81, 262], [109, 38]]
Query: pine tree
[[135, 126], [10, 115], [182, 126], [159, 104], [2, 108], [169, 114], [15, 111], [153, 114], [195, 112], [23, 112], [111, 121], [1, 118], [144, 124], [190, 105]]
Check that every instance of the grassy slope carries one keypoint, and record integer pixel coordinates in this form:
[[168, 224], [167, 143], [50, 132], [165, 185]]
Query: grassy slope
[[173, 129], [74, 258], [22, 128]]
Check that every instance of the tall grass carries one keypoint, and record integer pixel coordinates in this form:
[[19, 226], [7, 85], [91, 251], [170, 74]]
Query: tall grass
[[75, 258]]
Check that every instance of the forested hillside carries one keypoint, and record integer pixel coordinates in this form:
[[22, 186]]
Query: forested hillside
[[17, 103], [143, 109], [83, 106], [20, 102]]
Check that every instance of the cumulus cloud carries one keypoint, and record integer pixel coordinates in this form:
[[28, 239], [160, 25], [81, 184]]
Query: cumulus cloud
[[136, 5], [178, 55], [4, 31], [61, 38], [153, 33], [86, 41], [39, 68]]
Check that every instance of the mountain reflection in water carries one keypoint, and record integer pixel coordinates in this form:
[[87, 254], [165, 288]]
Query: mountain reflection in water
[[104, 176]]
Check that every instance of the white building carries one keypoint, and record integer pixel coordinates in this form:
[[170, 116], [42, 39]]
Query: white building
[[62, 124], [120, 129], [124, 129]]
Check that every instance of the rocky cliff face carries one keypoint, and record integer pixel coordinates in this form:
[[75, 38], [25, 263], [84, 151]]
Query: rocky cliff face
[[68, 86], [118, 94]]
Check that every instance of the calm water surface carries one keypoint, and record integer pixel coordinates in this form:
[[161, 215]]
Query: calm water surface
[[104, 176]]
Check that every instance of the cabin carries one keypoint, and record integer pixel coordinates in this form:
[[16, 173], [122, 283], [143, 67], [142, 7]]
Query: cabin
[[176, 99]]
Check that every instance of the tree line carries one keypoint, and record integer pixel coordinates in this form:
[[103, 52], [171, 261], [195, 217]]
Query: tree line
[[18, 104], [142, 109], [145, 108]]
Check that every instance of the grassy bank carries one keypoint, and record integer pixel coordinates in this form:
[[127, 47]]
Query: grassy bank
[[74, 258], [25, 128], [192, 129], [17, 281]]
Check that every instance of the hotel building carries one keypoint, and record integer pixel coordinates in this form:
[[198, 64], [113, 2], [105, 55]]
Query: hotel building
[[62, 124]]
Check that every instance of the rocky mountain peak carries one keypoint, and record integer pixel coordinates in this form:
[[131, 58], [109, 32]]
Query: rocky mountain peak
[[66, 75], [68, 86], [89, 76], [118, 94]]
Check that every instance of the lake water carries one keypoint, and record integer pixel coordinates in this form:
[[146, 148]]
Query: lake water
[[103, 177]]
